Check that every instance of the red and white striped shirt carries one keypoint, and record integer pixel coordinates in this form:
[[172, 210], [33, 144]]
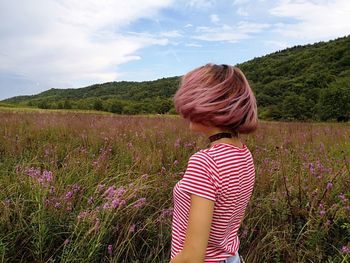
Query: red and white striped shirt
[[225, 174]]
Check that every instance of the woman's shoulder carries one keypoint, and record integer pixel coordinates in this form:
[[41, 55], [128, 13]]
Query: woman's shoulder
[[218, 151], [203, 154], [222, 152], [204, 157]]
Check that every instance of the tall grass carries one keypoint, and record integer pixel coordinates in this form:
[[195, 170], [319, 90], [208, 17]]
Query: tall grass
[[80, 187]]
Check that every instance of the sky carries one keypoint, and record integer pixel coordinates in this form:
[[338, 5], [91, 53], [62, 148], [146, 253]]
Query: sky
[[73, 43]]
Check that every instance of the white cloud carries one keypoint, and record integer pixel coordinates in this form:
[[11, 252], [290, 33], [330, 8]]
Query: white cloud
[[242, 30], [240, 2], [242, 11], [315, 19], [171, 34], [188, 25], [201, 4], [193, 45], [65, 41], [241, 7], [214, 18]]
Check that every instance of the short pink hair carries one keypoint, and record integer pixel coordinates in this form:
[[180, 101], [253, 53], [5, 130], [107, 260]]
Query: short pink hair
[[217, 95]]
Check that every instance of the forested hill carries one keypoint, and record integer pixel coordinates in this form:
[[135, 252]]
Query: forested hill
[[126, 97], [303, 82]]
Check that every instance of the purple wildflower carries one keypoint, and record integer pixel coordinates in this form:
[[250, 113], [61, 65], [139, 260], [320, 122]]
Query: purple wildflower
[[190, 144], [47, 202], [329, 185], [100, 187], [110, 192], [101, 158], [69, 195], [82, 215], [319, 165], [57, 205], [76, 188], [83, 150], [140, 202], [90, 200], [312, 168], [7, 201], [110, 250], [132, 228], [106, 206], [343, 197], [122, 203], [115, 203], [69, 207], [167, 212], [42, 178], [52, 190], [345, 250], [322, 209], [18, 169], [33, 172], [244, 233], [120, 191], [47, 152]]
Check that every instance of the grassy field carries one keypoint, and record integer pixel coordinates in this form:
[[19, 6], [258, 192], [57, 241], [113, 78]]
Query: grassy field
[[87, 187], [18, 108]]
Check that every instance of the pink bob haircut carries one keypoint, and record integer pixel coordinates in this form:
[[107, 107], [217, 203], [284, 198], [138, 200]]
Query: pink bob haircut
[[217, 95]]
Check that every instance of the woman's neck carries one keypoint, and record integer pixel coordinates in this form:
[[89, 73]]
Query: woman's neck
[[234, 141]]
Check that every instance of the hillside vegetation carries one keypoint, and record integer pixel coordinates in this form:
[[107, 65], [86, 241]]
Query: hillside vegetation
[[310, 82], [303, 82]]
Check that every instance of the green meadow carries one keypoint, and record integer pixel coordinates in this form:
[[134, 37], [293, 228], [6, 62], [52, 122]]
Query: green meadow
[[81, 186]]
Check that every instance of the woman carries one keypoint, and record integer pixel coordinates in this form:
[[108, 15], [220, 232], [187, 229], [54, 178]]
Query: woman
[[211, 198]]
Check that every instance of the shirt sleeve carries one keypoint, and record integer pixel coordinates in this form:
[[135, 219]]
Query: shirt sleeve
[[198, 177]]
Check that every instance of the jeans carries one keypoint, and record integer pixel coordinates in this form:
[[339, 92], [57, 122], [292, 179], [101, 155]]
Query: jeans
[[232, 259]]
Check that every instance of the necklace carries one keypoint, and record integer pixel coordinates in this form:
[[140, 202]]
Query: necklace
[[220, 135]]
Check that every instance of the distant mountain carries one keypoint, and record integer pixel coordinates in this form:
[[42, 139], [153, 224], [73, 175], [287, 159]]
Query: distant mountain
[[309, 82]]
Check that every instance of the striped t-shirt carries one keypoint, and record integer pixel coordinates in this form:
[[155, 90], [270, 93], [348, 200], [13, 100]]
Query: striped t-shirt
[[225, 174]]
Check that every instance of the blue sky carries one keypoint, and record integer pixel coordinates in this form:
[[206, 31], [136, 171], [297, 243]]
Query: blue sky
[[74, 43]]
